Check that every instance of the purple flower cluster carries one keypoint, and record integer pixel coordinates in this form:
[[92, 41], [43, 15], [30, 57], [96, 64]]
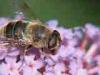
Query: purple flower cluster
[[79, 54]]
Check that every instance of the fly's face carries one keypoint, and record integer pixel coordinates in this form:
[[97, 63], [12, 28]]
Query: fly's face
[[54, 40]]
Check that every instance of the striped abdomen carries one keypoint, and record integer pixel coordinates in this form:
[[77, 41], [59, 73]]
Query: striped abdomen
[[13, 29]]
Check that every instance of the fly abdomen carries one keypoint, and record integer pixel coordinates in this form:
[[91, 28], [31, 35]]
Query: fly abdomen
[[14, 29]]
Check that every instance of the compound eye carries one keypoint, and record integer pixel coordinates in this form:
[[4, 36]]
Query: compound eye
[[54, 40]]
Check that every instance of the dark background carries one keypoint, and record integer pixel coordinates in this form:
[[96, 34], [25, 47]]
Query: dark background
[[68, 12]]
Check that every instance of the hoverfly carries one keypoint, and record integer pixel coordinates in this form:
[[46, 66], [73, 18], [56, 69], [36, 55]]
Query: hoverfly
[[34, 33]]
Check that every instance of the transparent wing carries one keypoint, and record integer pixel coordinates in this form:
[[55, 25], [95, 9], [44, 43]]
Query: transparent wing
[[23, 6]]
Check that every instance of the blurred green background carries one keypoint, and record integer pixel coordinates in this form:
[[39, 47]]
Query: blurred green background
[[69, 13]]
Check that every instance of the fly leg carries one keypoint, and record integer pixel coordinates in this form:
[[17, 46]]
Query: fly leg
[[23, 59]]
